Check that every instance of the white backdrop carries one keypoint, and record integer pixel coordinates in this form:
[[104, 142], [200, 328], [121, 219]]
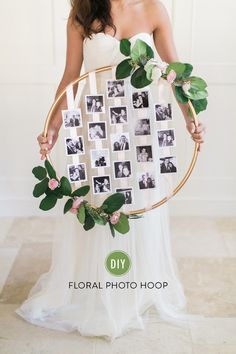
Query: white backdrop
[[32, 41]]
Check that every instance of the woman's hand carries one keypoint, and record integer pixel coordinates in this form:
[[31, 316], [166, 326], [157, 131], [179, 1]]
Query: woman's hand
[[197, 133], [46, 143]]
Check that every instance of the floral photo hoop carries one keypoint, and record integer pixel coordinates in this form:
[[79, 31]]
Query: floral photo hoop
[[143, 69]]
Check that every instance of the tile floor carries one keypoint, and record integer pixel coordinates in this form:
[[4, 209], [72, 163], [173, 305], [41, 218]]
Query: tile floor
[[205, 250]]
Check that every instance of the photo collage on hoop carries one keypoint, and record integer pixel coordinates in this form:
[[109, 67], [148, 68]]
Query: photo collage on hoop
[[119, 140], [166, 138]]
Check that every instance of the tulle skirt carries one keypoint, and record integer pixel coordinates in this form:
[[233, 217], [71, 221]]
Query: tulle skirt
[[78, 257]]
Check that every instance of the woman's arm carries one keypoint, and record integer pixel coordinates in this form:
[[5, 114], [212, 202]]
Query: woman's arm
[[74, 60], [164, 42]]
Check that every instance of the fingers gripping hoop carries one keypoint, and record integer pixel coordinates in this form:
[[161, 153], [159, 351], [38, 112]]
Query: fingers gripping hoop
[[189, 169]]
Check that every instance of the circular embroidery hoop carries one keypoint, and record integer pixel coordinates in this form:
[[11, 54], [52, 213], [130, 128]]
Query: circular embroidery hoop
[[179, 185]]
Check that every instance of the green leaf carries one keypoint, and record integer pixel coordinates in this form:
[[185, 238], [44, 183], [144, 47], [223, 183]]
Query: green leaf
[[112, 230], [81, 214], [200, 105], [48, 202], [139, 49], [113, 203], [98, 219], [123, 69], [40, 188], [68, 205], [188, 70], [39, 172], [65, 186], [141, 52], [81, 192], [197, 83], [58, 193], [123, 225], [50, 170], [139, 78], [179, 68], [125, 47], [149, 71], [89, 223], [196, 95], [179, 93], [150, 52]]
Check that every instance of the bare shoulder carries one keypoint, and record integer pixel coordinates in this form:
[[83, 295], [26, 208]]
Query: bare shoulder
[[157, 13], [155, 5]]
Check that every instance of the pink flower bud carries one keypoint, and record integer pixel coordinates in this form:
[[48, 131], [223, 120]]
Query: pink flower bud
[[73, 210], [115, 217], [53, 184], [171, 76], [77, 202]]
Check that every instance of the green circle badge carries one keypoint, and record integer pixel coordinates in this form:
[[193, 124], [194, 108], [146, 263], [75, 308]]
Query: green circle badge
[[118, 263]]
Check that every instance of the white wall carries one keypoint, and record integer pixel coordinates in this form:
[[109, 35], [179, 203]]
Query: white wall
[[32, 41]]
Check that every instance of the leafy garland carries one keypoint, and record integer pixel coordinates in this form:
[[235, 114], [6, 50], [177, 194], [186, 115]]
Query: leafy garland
[[53, 189], [143, 69]]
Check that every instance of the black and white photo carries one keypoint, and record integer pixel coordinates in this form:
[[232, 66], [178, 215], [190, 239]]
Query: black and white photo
[[118, 115], [100, 158], [101, 184], [168, 164], [122, 169], [95, 104], [146, 180], [115, 88], [72, 118], [142, 127], [144, 153], [166, 138], [120, 142], [140, 99], [74, 145], [163, 112], [97, 131], [128, 194], [77, 173]]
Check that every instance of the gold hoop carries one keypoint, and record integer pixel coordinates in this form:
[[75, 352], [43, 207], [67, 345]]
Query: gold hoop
[[187, 174]]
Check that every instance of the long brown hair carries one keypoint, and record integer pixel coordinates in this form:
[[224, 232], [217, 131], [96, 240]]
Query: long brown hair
[[85, 12]]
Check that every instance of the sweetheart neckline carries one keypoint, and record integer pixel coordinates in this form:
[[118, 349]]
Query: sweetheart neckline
[[119, 40]]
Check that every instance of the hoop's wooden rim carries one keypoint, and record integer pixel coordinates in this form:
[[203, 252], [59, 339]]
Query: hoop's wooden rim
[[187, 174]]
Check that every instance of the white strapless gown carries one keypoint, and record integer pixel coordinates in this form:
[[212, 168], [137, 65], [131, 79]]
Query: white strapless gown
[[79, 256]]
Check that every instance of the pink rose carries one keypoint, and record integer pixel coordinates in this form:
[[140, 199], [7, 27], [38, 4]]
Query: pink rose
[[76, 204], [53, 184], [171, 76], [115, 217]]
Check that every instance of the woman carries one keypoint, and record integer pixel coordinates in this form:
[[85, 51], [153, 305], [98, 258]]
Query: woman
[[143, 156], [164, 140], [96, 26], [94, 105]]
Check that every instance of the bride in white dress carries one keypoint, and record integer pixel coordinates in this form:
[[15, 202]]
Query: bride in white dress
[[78, 256]]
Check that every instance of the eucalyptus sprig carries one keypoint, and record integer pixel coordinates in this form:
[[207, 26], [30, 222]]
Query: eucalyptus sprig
[[143, 69], [53, 188]]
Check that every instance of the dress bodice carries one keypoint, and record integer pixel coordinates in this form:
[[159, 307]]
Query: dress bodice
[[104, 50]]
